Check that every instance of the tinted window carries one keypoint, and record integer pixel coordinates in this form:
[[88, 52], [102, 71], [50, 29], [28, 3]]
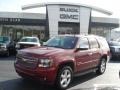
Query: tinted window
[[93, 43], [84, 42], [66, 42]]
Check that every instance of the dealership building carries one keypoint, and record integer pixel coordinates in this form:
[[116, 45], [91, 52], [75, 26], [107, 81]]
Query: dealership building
[[59, 19]]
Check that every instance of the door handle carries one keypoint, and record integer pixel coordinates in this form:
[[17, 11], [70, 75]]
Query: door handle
[[90, 54]]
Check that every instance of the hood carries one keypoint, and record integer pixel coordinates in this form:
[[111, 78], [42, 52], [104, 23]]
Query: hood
[[29, 43], [44, 51], [114, 46]]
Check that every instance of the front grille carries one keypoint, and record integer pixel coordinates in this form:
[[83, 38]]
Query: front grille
[[28, 62], [22, 46]]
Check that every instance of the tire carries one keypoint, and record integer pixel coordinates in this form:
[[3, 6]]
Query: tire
[[64, 77], [102, 66]]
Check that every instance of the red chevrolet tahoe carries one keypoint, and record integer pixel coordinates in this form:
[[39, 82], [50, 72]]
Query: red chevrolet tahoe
[[62, 58]]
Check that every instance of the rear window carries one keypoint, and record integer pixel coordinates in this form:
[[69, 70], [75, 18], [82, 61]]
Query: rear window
[[26, 39]]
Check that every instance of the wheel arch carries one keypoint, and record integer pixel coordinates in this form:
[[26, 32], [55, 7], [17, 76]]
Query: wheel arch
[[67, 63], [105, 57]]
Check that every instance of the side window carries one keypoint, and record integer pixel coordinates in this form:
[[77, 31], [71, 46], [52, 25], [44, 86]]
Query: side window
[[93, 43], [84, 43], [103, 43]]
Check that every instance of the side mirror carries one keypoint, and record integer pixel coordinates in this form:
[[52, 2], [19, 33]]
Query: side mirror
[[84, 47]]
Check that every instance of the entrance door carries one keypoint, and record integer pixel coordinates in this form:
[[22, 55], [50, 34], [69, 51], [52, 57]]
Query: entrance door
[[19, 34]]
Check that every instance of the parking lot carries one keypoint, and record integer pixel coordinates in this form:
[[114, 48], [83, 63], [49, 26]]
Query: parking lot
[[9, 80]]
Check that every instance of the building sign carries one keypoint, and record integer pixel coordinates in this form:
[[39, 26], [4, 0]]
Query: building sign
[[69, 14], [9, 20]]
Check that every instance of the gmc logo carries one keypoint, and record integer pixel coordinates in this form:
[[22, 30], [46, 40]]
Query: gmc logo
[[67, 16]]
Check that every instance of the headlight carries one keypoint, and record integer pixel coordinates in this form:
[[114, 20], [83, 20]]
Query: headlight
[[45, 63], [17, 46], [3, 46]]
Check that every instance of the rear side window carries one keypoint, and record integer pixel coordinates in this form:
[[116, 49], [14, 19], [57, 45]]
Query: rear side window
[[93, 43], [103, 43]]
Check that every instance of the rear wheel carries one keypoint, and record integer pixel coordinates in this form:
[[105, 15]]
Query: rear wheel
[[102, 66], [64, 77]]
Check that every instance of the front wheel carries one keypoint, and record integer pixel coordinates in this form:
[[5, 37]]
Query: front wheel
[[102, 66], [64, 77]]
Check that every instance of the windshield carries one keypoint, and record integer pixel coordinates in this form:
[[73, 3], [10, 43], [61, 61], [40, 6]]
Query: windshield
[[66, 42], [4, 39], [27, 39]]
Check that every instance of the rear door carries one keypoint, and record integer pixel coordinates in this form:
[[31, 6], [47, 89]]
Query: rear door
[[95, 51]]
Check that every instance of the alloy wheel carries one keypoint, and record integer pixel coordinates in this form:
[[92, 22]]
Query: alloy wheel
[[65, 78]]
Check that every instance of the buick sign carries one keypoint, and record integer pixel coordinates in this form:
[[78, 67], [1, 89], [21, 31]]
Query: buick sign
[[69, 14]]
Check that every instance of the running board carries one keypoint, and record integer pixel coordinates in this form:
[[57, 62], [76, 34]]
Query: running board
[[84, 72]]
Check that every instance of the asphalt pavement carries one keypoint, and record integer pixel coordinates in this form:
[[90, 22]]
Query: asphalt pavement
[[9, 80]]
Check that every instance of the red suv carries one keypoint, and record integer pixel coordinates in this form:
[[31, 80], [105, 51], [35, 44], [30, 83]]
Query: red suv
[[62, 58]]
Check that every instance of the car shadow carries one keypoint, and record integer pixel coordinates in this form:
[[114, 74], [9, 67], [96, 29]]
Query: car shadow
[[21, 84], [82, 79]]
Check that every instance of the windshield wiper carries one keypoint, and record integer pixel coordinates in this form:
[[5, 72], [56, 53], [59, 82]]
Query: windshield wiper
[[54, 46]]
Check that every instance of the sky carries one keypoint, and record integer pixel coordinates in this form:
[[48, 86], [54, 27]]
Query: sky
[[15, 6]]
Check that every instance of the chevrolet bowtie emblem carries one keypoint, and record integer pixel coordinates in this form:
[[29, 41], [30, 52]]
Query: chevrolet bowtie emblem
[[24, 59]]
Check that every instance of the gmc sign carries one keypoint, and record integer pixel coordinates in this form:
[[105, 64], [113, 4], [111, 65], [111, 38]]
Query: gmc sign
[[69, 14]]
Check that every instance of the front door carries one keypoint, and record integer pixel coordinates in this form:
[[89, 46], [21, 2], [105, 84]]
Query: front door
[[83, 59], [84, 55]]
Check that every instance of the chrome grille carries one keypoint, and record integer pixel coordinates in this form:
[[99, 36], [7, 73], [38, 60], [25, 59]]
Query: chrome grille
[[28, 62]]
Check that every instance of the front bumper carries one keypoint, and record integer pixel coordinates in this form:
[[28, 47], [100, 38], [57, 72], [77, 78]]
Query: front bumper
[[3, 51], [45, 75]]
